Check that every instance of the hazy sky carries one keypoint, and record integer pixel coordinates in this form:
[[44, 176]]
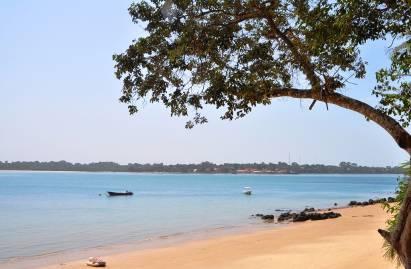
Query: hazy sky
[[59, 101]]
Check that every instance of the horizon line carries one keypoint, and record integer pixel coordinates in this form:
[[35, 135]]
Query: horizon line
[[195, 163]]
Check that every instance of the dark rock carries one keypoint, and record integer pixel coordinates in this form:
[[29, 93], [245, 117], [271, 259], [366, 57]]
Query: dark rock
[[309, 209], [268, 217], [315, 216], [372, 201], [259, 215], [333, 215], [391, 199], [302, 216], [285, 216], [335, 204]]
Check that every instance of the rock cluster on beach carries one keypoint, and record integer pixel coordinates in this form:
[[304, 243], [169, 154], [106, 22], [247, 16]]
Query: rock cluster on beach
[[306, 214], [372, 202], [310, 213], [267, 217]]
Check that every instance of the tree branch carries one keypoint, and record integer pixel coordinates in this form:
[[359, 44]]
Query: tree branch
[[400, 135], [306, 65], [386, 235]]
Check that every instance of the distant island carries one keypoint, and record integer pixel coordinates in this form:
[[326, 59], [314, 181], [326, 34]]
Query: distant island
[[204, 167]]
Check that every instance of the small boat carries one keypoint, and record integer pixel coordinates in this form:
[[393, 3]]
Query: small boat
[[247, 191], [124, 193]]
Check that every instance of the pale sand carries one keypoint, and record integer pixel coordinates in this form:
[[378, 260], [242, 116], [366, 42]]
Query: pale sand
[[347, 242]]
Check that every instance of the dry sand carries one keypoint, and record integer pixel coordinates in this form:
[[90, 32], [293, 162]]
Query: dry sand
[[347, 242]]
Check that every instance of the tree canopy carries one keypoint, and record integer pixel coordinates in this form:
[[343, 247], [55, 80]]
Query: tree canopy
[[238, 54], [394, 84]]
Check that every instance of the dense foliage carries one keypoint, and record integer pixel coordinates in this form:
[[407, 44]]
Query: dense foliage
[[394, 84], [237, 54], [205, 167]]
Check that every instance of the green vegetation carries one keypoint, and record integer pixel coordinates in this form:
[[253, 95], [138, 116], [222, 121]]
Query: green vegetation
[[394, 86], [394, 210], [235, 55], [205, 167]]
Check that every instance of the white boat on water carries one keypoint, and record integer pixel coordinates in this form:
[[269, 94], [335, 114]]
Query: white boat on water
[[247, 191]]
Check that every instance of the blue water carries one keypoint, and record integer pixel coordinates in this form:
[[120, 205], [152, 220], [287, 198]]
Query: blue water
[[52, 212]]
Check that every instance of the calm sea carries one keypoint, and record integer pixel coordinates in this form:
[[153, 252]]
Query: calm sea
[[49, 213]]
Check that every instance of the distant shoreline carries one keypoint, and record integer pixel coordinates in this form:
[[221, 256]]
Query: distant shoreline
[[280, 168], [203, 173]]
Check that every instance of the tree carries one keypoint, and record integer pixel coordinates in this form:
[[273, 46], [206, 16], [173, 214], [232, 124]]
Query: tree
[[394, 209], [394, 85], [236, 54]]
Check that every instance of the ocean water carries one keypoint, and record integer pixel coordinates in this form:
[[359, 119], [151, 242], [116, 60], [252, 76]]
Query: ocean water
[[47, 213]]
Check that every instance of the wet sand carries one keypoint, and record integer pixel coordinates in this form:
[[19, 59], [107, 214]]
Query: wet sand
[[351, 242]]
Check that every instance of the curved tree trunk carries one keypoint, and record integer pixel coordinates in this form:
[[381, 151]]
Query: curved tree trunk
[[400, 135], [400, 238]]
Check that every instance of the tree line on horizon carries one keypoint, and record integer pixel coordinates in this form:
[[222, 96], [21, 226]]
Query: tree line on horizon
[[204, 167]]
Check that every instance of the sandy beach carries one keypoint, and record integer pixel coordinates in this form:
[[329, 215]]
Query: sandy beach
[[347, 242]]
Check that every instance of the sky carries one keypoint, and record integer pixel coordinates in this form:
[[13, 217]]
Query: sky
[[59, 101]]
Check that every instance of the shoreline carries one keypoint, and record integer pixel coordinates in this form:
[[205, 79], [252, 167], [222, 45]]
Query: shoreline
[[350, 241], [96, 226], [204, 173], [156, 242]]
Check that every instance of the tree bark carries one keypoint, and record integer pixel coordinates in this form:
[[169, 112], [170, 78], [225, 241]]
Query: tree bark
[[400, 238], [398, 133]]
